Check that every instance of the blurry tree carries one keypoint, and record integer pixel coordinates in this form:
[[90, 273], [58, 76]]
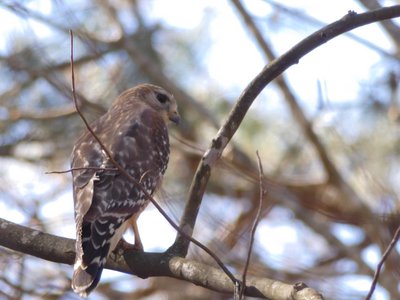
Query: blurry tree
[[332, 168]]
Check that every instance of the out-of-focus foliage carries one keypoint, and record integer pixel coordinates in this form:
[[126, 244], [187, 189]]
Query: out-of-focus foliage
[[313, 228]]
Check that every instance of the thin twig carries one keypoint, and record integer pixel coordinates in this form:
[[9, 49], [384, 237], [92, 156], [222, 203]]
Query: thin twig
[[255, 224], [133, 180], [81, 168], [382, 261]]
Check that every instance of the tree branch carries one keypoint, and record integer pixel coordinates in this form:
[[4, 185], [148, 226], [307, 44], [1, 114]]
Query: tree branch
[[62, 250], [238, 112]]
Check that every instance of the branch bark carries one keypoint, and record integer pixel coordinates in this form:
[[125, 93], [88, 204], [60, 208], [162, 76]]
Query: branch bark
[[62, 250]]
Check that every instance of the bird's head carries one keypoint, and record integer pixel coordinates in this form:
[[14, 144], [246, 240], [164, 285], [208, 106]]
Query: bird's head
[[160, 100], [153, 96]]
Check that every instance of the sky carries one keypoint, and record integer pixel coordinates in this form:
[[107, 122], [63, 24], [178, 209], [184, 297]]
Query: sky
[[339, 65]]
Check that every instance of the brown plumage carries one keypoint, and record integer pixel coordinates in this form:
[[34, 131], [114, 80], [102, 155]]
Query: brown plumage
[[134, 131]]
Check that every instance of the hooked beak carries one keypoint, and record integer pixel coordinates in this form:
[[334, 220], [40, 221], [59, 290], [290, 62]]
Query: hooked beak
[[174, 117]]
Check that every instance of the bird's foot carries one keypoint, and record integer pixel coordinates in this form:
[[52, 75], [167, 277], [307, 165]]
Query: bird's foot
[[124, 246]]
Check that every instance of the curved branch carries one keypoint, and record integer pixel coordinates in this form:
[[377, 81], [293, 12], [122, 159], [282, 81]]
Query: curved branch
[[271, 71], [62, 250]]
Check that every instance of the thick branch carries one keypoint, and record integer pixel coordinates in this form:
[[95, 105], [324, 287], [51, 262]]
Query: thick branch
[[62, 250], [270, 72]]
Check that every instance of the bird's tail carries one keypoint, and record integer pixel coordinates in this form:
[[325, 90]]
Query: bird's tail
[[85, 279], [92, 249]]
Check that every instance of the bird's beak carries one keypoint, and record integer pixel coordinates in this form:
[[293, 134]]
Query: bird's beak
[[174, 117]]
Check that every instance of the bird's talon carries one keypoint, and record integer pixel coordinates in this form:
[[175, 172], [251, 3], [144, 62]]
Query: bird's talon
[[124, 246]]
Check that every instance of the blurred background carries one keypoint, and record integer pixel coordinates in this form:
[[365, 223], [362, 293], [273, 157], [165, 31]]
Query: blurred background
[[327, 132]]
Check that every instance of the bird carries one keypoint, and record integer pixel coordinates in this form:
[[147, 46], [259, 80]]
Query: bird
[[135, 133]]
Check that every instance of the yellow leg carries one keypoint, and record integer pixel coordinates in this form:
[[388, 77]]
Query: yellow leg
[[138, 242]]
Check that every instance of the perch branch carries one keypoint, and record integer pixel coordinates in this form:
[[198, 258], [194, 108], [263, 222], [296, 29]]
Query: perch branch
[[62, 250]]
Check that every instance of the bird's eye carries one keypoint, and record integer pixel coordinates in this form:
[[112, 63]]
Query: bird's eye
[[162, 98]]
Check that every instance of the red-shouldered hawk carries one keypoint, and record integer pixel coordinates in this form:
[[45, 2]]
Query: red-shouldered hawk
[[134, 131]]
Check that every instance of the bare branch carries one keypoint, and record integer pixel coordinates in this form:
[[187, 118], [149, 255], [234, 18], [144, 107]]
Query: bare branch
[[62, 250], [83, 168], [238, 112]]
